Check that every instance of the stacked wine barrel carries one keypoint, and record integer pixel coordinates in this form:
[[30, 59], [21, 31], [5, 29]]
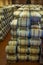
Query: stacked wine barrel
[[11, 48], [23, 33], [26, 34], [41, 54], [35, 35]]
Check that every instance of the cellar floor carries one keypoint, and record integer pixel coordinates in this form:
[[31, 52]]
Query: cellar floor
[[3, 54]]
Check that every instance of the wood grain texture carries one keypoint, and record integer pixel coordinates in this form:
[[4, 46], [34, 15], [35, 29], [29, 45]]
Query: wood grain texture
[[3, 54]]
